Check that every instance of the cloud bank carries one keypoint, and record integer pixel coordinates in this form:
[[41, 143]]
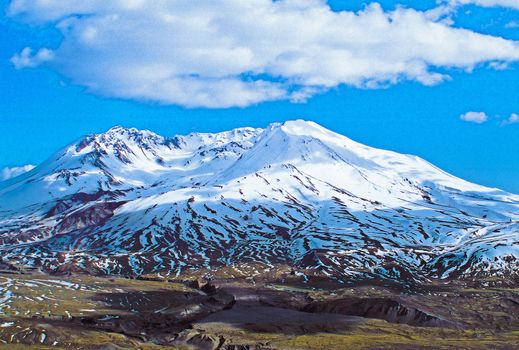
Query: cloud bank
[[488, 3], [8, 173], [229, 53]]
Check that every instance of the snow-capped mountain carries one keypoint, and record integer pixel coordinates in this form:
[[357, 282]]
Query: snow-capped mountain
[[297, 194]]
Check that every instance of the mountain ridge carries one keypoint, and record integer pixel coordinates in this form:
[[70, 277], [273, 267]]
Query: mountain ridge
[[130, 201]]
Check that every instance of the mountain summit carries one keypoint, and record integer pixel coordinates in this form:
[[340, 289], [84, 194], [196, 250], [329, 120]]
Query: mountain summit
[[293, 194]]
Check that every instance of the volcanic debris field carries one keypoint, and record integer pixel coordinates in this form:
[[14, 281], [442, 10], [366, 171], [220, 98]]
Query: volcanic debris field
[[226, 309]]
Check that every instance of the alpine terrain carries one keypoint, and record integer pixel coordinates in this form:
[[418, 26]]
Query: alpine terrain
[[130, 202]]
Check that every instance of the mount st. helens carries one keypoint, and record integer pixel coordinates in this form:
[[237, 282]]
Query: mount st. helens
[[292, 194]]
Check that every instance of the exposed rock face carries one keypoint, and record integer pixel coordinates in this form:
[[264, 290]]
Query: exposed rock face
[[387, 309], [94, 215]]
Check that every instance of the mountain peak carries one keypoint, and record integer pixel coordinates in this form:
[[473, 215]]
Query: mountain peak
[[300, 123], [300, 127], [117, 135], [123, 132], [118, 129]]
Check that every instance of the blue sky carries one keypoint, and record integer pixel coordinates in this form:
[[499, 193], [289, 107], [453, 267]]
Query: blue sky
[[46, 105]]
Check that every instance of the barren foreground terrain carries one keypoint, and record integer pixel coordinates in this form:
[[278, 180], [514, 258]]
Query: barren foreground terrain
[[276, 311]]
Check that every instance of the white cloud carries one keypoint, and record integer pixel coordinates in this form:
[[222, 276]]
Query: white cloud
[[513, 119], [8, 173], [474, 117], [488, 3], [26, 58], [225, 53]]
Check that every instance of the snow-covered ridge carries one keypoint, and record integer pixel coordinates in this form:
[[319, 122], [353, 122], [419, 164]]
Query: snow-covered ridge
[[292, 193]]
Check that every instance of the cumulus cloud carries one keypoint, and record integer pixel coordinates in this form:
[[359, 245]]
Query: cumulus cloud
[[474, 117], [8, 173], [512, 119], [26, 58], [236, 53]]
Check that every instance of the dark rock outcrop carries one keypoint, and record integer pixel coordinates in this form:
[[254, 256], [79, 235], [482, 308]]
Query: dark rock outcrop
[[386, 309]]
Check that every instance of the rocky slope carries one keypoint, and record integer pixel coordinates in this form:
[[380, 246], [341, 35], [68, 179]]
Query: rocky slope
[[133, 202]]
